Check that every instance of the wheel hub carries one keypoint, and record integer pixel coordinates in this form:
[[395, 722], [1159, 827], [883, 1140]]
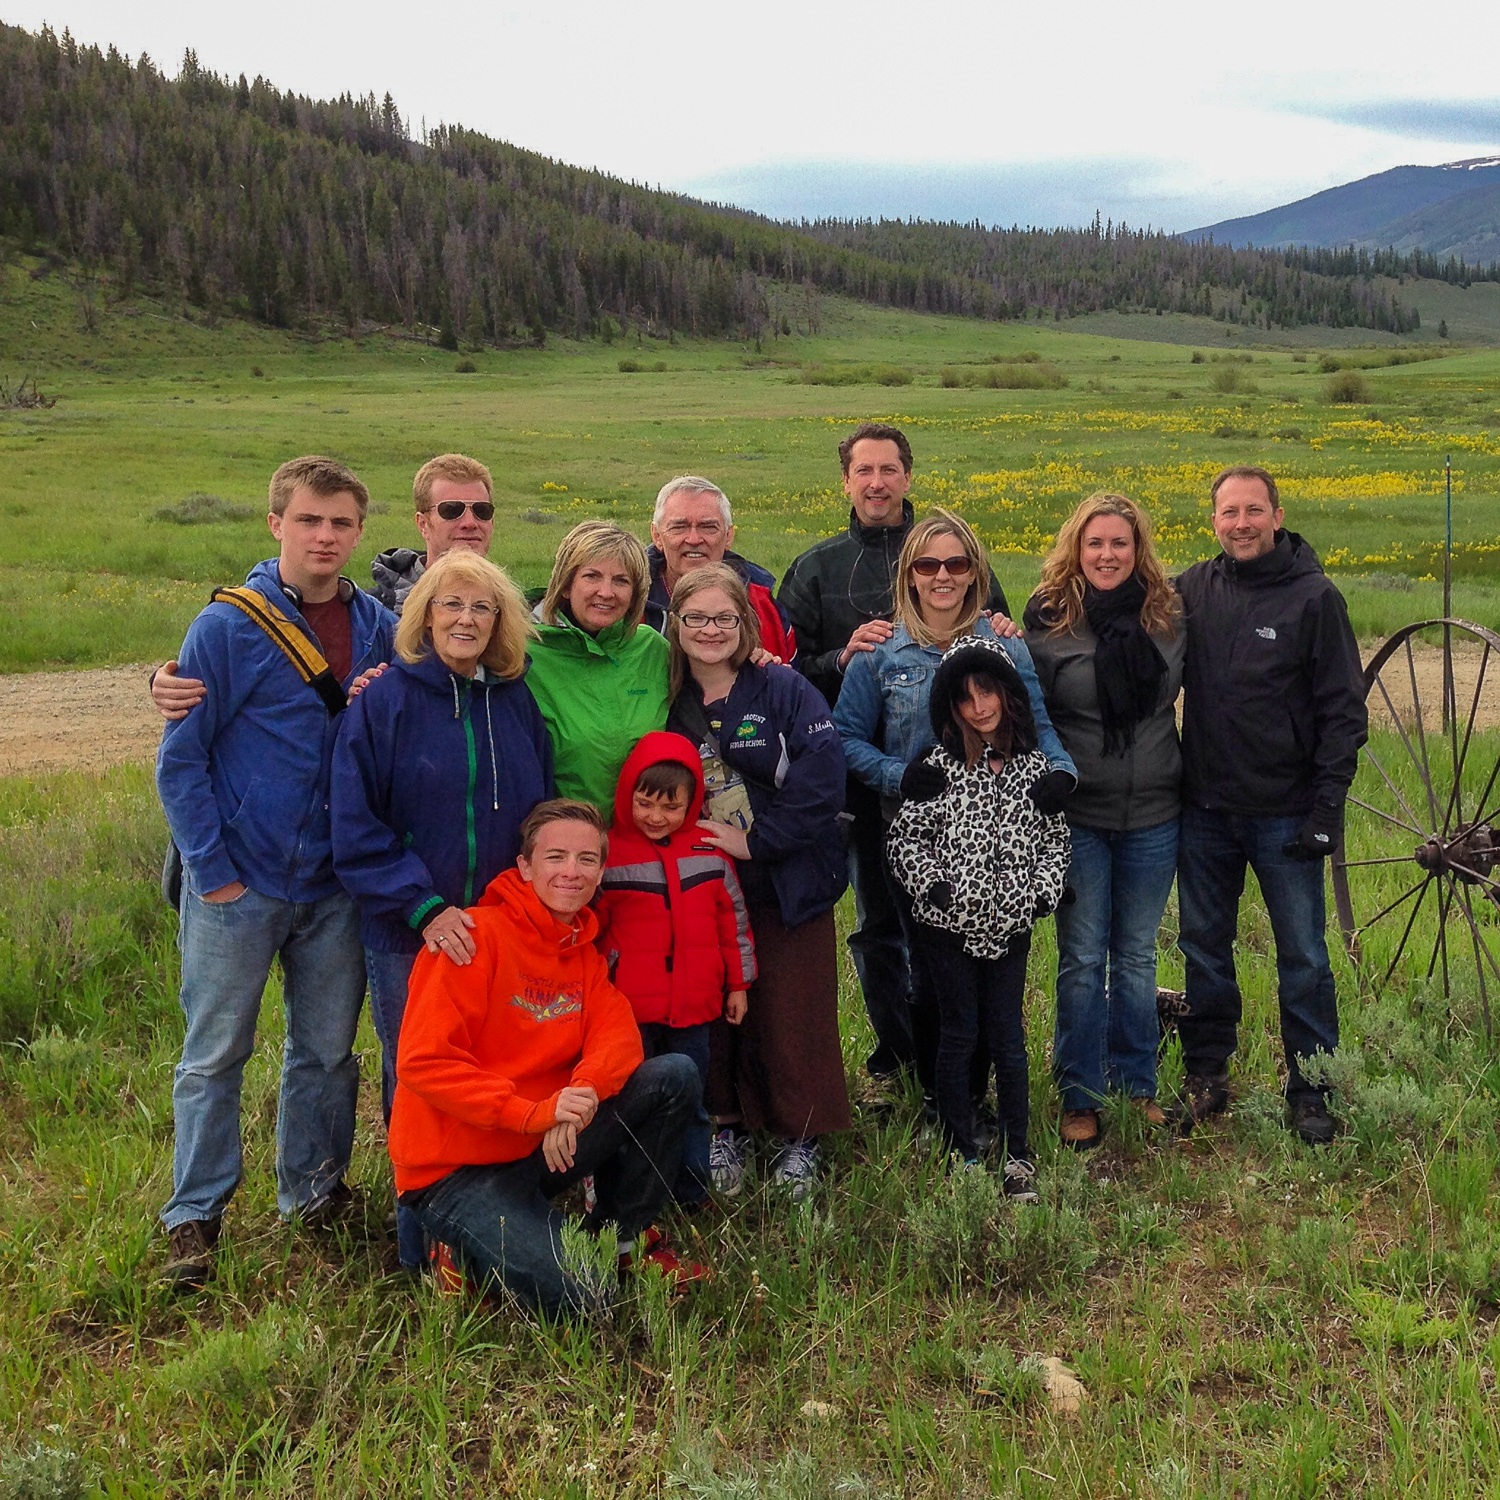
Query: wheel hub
[[1472, 852]]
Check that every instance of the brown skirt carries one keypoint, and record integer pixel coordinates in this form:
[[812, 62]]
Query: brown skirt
[[781, 1069]]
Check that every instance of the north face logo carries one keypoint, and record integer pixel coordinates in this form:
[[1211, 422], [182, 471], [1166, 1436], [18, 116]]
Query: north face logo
[[1265, 632]]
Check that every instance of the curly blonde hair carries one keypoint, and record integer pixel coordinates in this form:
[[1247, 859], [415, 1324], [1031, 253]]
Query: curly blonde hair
[[907, 609], [1060, 593], [505, 654]]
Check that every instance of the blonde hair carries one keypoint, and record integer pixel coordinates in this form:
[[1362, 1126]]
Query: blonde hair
[[908, 609], [711, 576], [591, 542], [455, 466], [505, 653], [1060, 592]]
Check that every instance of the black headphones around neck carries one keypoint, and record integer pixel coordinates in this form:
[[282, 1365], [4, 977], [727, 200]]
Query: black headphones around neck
[[347, 588]]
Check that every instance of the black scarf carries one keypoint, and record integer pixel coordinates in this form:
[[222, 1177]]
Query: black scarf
[[1128, 667]]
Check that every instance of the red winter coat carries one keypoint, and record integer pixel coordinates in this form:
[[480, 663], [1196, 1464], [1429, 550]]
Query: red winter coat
[[673, 912]]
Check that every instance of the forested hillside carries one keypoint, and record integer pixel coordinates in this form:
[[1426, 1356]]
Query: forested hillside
[[235, 197]]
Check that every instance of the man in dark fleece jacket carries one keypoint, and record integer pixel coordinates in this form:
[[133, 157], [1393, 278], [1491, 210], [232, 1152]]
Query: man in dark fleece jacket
[[1273, 718], [838, 597]]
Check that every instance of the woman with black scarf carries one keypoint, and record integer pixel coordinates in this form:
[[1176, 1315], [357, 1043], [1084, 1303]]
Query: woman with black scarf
[[1105, 631]]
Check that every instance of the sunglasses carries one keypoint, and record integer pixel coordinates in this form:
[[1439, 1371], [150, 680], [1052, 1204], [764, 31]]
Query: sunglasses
[[929, 567], [451, 510]]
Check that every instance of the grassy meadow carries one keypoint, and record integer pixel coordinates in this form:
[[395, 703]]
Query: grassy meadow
[[1247, 1317]]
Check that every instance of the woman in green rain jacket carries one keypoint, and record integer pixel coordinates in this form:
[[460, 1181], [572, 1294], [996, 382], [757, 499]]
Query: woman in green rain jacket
[[598, 676]]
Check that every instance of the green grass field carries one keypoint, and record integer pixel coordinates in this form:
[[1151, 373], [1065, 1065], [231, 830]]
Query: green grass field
[[1248, 1318]]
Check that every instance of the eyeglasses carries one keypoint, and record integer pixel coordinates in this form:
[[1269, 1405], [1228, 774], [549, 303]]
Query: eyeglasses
[[929, 567], [451, 510], [695, 619], [481, 609]]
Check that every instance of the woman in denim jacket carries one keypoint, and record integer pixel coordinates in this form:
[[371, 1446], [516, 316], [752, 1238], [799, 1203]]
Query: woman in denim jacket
[[882, 713]]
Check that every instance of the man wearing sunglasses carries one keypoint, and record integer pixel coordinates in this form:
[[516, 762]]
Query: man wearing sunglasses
[[455, 502], [453, 495]]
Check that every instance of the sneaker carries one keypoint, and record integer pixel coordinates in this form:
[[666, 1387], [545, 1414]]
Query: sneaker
[[191, 1261], [1019, 1182], [1149, 1110], [1311, 1122], [797, 1168], [1080, 1129], [333, 1208], [1203, 1096], [726, 1161], [655, 1251]]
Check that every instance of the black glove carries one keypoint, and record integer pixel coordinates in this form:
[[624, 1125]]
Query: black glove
[[940, 895], [1045, 908], [921, 782], [1319, 834], [1051, 791]]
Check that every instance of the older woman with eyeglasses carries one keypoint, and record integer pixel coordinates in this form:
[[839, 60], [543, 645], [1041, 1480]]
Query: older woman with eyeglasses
[[599, 679], [775, 776], [435, 766], [882, 714]]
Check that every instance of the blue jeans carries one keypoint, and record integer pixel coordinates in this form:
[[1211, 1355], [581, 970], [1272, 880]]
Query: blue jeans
[[389, 975], [227, 952], [1107, 1030], [1213, 851], [499, 1220], [691, 1042], [877, 944]]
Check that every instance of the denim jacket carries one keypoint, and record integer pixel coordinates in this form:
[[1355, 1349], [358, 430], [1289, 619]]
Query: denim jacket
[[882, 716]]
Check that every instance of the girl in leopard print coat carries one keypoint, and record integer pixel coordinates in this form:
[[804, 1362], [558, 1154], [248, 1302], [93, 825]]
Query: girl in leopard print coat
[[982, 865]]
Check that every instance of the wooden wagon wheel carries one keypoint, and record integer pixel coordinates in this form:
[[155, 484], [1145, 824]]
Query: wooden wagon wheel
[[1422, 830]]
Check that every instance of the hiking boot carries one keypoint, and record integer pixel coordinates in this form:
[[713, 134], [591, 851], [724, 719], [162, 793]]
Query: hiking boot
[[726, 1161], [1203, 1096], [332, 1209], [1080, 1129], [1149, 1110], [1311, 1122], [654, 1250], [191, 1260], [1019, 1181], [797, 1168]]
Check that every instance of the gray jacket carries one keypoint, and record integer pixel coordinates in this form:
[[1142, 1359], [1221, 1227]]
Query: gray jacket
[[1144, 786]]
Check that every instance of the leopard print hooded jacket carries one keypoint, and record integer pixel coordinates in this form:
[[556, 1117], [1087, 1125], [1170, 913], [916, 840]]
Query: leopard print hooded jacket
[[984, 838]]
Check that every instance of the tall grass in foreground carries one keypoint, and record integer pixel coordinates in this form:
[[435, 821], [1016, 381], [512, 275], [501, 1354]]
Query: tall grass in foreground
[[1249, 1318]]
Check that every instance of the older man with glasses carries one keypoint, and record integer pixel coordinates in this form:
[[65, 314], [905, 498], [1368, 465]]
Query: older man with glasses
[[691, 527]]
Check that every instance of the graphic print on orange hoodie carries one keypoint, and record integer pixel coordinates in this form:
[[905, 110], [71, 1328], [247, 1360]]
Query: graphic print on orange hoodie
[[487, 1047], [672, 909]]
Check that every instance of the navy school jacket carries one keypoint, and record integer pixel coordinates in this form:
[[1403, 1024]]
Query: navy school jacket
[[778, 734], [433, 774]]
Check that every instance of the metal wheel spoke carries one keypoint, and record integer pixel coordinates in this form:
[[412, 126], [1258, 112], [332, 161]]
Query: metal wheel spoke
[[1481, 953], [1484, 801], [1399, 822], [1490, 885], [1416, 703], [1455, 812], [1440, 944], [1410, 923], [1385, 911], [1391, 859], [1405, 740]]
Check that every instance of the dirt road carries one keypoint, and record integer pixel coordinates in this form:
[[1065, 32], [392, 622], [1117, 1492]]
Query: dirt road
[[54, 721]]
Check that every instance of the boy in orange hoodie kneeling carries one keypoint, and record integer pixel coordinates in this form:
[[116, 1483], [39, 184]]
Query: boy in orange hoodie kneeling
[[521, 1072]]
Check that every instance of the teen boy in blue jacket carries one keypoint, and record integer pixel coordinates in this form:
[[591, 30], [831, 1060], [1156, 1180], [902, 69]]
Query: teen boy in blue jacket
[[244, 781]]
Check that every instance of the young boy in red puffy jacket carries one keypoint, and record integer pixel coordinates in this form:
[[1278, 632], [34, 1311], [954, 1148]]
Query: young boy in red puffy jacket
[[672, 920]]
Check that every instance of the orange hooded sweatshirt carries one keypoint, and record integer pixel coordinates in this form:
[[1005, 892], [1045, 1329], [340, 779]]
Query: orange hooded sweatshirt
[[487, 1047]]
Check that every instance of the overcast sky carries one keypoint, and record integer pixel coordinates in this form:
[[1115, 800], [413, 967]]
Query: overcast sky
[[1170, 114]]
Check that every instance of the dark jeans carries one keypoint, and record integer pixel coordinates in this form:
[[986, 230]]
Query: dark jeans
[[661, 1040], [1212, 854], [980, 1000], [499, 1220], [877, 943], [389, 975]]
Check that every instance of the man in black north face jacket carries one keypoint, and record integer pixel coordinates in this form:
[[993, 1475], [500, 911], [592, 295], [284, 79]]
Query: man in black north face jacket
[[1273, 718]]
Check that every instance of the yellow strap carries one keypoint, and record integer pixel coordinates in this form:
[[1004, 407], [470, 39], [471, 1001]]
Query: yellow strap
[[286, 633]]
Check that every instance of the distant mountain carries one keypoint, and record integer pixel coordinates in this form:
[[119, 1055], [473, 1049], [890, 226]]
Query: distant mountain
[[1451, 210]]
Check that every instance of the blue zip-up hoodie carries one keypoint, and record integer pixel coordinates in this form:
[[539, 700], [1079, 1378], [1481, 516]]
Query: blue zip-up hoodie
[[778, 734], [433, 774], [244, 777], [882, 709]]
